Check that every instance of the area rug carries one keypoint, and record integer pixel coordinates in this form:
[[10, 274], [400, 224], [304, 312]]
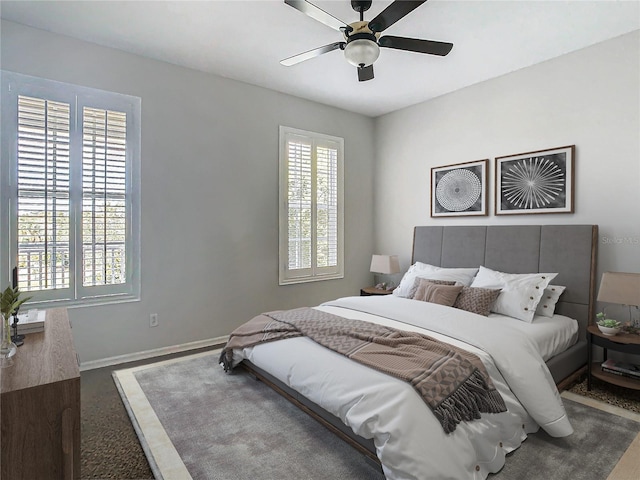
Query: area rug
[[195, 422]]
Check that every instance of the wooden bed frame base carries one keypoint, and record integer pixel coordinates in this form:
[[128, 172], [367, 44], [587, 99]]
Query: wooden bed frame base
[[575, 377]]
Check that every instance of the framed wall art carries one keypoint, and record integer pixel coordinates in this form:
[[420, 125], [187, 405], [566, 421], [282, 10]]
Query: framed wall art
[[535, 182], [459, 190]]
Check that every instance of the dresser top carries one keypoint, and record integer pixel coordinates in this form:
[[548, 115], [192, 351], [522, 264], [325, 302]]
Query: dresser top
[[46, 357]]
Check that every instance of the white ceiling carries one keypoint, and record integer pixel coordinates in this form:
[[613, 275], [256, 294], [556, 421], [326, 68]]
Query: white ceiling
[[245, 40]]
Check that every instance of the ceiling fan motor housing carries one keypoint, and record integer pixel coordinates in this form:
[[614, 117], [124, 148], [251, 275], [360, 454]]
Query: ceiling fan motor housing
[[361, 5]]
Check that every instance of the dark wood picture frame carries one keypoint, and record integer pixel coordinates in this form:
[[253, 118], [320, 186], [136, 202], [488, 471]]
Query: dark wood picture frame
[[460, 190], [541, 181]]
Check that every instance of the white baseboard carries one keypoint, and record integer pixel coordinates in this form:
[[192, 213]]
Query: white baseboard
[[156, 352]]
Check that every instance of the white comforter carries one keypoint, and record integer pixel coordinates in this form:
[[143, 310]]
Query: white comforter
[[409, 440]]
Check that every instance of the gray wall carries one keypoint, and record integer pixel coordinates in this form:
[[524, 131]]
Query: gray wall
[[589, 98], [209, 194]]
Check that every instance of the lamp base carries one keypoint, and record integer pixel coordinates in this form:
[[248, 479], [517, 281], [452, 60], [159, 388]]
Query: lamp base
[[15, 338]]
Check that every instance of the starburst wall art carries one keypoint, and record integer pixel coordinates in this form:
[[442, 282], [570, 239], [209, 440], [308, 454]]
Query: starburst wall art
[[535, 182]]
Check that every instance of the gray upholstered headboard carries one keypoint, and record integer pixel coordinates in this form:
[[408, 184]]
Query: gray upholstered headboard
[[569, 250]]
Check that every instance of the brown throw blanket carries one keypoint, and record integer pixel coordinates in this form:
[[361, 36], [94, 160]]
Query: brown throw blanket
[[453, 382]]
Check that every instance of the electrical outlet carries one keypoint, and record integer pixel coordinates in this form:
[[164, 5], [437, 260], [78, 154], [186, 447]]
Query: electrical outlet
[[153, 320]]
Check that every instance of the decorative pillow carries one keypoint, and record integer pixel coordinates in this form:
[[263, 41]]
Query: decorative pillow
[[520, 293], [417, 281], [440, 294], [477, 300], [550, 297], [424, 270]]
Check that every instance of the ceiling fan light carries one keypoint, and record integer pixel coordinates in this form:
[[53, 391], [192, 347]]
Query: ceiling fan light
[[362, 52]]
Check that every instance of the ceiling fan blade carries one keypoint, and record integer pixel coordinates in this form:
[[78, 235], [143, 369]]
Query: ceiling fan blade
[[316, 52], [365, 73], [393, 13], [416, 45], [317, 13]]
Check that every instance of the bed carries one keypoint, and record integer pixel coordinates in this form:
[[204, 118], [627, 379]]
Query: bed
[[385, 418]]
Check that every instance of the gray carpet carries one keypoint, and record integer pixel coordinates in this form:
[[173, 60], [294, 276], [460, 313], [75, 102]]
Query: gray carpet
[[608, 393], [232, 427]]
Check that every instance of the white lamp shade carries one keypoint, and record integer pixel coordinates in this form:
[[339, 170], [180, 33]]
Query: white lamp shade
[[620, 288], [386, 264], [362, 52]]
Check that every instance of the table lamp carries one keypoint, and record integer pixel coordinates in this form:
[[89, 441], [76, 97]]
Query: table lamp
[[385, 265], [621, 288]]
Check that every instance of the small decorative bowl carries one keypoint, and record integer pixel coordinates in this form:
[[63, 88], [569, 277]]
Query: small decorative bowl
[[608, 331]]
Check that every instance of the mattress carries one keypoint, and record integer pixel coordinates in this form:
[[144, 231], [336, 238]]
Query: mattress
[[552, 335]]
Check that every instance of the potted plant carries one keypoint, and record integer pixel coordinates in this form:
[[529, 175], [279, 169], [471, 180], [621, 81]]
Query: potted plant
[[10, 302], [608, 326]]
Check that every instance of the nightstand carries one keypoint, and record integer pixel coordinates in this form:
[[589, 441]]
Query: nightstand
[[368, 291], [622, 342]]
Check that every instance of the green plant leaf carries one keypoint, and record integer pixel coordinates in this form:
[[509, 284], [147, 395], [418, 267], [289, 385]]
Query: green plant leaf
[[10, 301]]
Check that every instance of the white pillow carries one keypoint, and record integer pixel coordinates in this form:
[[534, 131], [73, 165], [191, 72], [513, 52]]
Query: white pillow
[[550, 297], [431, 272], [521, 292]]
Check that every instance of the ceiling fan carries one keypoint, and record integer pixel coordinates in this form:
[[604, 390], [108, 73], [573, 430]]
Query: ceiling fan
[[362, 39]]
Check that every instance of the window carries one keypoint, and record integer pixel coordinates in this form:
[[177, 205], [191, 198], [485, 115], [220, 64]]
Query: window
[[69, 191], [311, 213]]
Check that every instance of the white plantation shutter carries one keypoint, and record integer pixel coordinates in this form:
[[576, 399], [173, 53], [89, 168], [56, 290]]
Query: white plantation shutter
[[104, 211], [299, 226], [326, 207], [311, 206], [70, 184], [43, 193]]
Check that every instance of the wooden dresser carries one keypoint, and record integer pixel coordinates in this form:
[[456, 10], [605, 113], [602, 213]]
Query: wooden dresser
[[40, 406]]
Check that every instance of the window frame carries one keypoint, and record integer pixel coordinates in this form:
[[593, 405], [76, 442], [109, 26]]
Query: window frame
[[314, 273], [15, 85]]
